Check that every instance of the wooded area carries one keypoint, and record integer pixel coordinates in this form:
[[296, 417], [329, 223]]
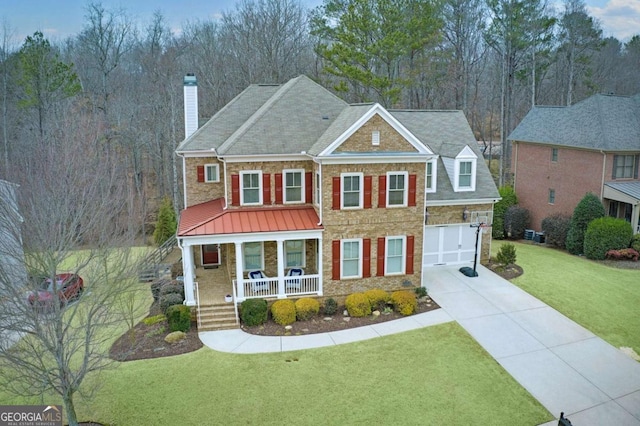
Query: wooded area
[[120, 80]]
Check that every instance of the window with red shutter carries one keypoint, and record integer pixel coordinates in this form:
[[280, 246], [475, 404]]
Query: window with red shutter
[[380, 258], [235, 190], [200, 172], [382, 191], [278, 188], [367, 192], [335, 260], [336, 193], [409, 256], [412, 190], [366, 258]]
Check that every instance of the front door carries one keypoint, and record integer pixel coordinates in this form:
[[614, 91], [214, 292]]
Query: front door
[[211, 254]]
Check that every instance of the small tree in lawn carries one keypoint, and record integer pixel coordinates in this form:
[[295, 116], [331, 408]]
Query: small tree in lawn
[[588, 209], [167, 223]]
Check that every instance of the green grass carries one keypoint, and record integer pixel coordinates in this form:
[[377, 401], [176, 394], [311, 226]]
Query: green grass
[[602, 299], [434, 375]]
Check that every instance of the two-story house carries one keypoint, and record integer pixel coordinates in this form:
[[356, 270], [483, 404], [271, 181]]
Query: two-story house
[[562, 153], [290, 191]]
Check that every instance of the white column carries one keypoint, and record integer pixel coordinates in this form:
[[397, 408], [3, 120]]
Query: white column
[[281, 292], [187, 268], [320, 272], [239, 277]]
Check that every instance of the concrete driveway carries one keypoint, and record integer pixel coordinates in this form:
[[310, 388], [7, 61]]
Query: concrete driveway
[[563, 365]]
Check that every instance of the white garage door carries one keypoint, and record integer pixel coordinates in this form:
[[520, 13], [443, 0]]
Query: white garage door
[[449, 244]]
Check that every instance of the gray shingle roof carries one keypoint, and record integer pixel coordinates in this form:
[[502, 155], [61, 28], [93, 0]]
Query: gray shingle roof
[[602, 122]]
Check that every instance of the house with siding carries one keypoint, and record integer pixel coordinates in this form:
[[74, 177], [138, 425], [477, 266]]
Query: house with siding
[[290, 191], [562, 153]]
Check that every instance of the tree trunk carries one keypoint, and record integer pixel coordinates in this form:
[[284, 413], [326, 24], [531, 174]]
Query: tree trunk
[[70, 409]]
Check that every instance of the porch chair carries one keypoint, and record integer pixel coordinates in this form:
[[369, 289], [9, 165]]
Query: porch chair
[[257, 286], [294, 283]]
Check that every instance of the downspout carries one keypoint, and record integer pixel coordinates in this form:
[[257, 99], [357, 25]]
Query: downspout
[[225, 182], [604, 166], [320, 200], [515, 164]]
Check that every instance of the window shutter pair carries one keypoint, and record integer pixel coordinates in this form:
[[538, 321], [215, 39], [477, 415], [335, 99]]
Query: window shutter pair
[[308, 188], [335, 259], [408, 268], [382, 191], [235, 189], [336, 192]]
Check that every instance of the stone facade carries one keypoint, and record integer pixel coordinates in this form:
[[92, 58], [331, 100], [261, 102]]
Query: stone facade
[[200, 192], [390, 139]]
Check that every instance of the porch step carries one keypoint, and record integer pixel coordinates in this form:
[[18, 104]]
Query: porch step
[[216, 317]]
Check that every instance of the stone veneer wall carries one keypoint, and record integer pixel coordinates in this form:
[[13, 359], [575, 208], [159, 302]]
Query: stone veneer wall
[[200, 192]]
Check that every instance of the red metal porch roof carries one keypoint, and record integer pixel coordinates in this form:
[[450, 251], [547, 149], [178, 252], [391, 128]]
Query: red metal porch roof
[[210, 218]]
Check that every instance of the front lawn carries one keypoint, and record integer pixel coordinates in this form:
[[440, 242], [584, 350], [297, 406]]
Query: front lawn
[[605, 300]]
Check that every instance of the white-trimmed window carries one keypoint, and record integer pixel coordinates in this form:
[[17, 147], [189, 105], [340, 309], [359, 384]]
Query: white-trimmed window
[[293, 186], [465, 170], [397, 192], [318, 191], [251, 187], [253, 256], [430, 180], [465, 174], [352, 191], [294, 253], [350, 259], [212, 173], [395, 256]]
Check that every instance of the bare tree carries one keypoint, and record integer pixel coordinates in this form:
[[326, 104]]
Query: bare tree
[[6, 50], [74, 206]]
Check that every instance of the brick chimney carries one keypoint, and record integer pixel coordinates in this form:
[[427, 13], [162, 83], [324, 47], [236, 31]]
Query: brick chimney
[[190, 105]]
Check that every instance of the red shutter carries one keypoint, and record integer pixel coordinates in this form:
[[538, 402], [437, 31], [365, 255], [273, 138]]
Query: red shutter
[[200, 173], [367, 192], [366, 258], [409, 257], [278, 188], [380, 266], [266, 188], [308, 187], [335, 260], [235, 190], [336, 193], [412, 190], [382, 191]]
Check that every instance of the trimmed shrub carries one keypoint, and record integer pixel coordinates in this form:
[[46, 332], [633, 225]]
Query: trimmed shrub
[[516, 220], [156, 286], [604, 234], [624, 254], [378, 298], [404, 302], [506, 254], [283, 311], [588, 209], [170, 300], [167, 222], [421, 292], [509, 199], [179, 318], [172, 287], [307, 308], [330, 306], [555, 228], [154, 319], [635, 242], [254, 312], [358, 305], [174, 337]]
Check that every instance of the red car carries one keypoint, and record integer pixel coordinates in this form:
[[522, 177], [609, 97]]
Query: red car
[[69, 286]]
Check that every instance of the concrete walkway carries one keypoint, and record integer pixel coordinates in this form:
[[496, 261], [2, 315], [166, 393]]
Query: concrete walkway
[[563, 365]]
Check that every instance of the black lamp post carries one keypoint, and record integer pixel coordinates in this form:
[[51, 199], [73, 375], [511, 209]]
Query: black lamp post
[[469, 272]]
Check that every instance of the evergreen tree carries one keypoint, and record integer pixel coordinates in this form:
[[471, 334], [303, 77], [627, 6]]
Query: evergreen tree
[[589, 208], [166, 224]]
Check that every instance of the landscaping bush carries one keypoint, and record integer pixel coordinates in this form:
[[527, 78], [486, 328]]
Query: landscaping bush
[[555, 228], [330, 306], [254, 312], [509, 199], [588, 209], [307, 308], [404, 302], [506, 254], [635, 243], [170, 300], [421, 292], [156, 286], [167, 222], [284, 312], [604, 234], [358, 305], [516, 220], [179, 318], [172, 286], [623, 254], [154, 319], [378, 298]]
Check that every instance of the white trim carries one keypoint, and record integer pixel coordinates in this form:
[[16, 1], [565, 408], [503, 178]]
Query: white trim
[[469, 202], [302, 185], [265, 158], [206, 175], [251, 172], [304, 254], [317, 190], [403, 265], [405, 192], [244, 266], [368, 158], [251, 237], [386, 116], [198, 153], [351, 240], [434, 175], [360, 176], [472, 178]]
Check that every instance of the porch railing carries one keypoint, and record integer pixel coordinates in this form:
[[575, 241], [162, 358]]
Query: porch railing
[[195, 285], [269, 287]]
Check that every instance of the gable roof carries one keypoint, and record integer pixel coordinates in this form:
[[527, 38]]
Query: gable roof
[[602, 122]]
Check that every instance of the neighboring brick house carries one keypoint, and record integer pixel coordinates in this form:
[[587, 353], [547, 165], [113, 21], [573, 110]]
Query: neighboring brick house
[[562, 153], [290, 177]]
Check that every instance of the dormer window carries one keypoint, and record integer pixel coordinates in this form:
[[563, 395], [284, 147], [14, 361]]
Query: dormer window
[[431, 176], [465, 171]]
